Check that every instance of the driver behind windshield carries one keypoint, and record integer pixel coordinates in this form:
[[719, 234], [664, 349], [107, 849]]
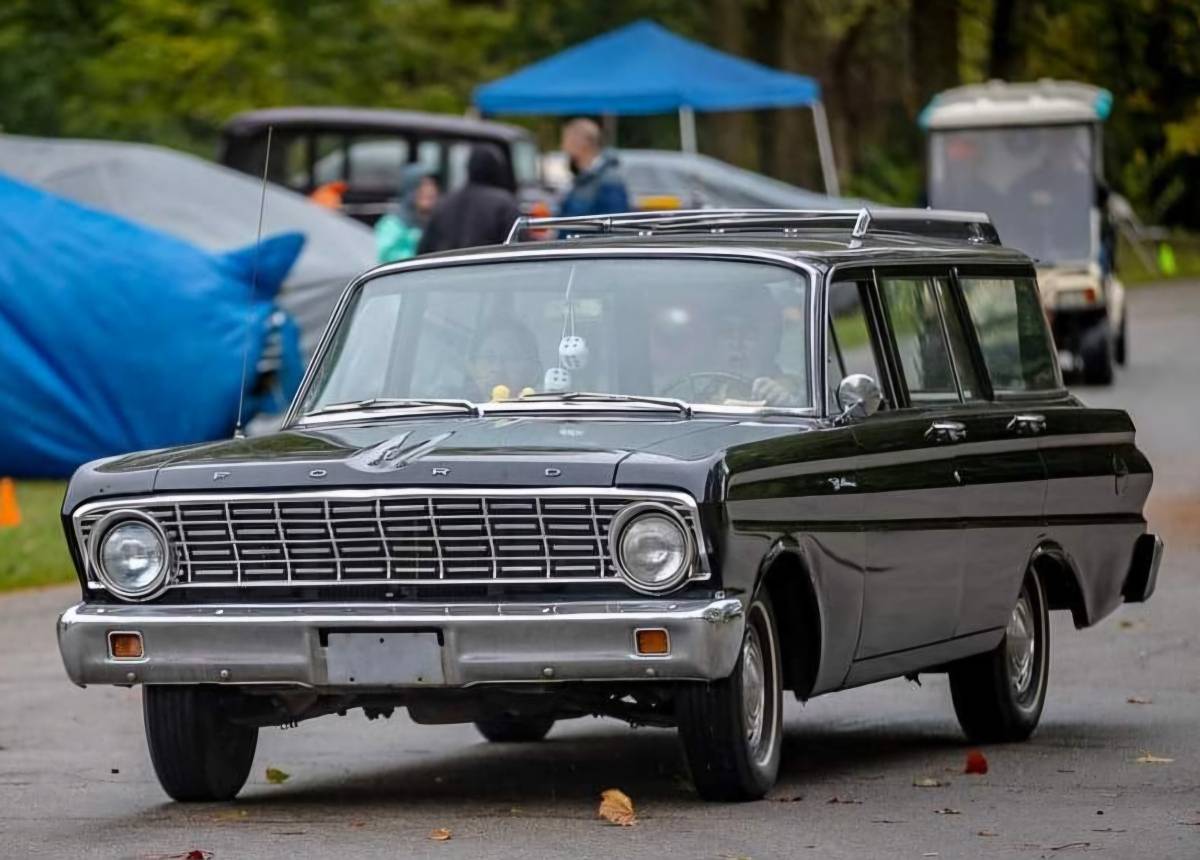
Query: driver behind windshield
[[735, 364]]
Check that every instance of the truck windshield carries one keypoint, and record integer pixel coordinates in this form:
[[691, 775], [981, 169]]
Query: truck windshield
[[706, 332], [1037, 184]]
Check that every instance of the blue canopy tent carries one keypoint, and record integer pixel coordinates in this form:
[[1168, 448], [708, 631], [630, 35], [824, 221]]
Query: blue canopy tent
[[644, 68]]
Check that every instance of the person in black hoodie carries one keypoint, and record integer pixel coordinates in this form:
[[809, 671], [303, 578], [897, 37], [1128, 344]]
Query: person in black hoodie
[[480, 213]]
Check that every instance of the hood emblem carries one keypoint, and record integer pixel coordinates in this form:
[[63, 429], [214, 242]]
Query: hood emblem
[[553, 473], [317, 473], [440, 471], [220, 476]]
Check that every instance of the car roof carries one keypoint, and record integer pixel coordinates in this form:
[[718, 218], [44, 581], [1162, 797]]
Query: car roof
[[372, 119], [819, 248], [821, 238]]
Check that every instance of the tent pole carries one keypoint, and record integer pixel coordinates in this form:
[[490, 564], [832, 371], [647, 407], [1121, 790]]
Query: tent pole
[[825, 149], [687, 129], [609, 121]]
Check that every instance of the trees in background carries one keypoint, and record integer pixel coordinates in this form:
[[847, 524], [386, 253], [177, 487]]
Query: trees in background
[[171, 71]]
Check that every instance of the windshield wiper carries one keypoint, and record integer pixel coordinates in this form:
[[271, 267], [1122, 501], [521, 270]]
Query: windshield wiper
[[600, 397], [395, 403]]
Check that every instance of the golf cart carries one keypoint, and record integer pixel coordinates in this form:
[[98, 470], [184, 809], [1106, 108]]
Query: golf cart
[[1030, 155]]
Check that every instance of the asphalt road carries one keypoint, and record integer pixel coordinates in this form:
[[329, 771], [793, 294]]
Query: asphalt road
[[75, 778]]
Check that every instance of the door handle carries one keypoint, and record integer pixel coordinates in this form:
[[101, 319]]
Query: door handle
[[1027, 425], [946, 431]]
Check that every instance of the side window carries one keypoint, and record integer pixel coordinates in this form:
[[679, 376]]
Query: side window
[[849, 347], [916, 320], [1013, 336], [959, 347]]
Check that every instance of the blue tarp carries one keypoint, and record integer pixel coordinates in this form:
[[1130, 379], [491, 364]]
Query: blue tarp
[[115, 337], [643, 68]]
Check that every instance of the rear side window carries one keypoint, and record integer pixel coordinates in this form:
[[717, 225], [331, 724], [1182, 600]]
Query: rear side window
[[1012, 332], [916, 320]]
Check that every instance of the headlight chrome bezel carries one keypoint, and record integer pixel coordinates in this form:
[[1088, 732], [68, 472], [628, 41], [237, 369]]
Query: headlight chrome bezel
[[626, 517], [96, 543]]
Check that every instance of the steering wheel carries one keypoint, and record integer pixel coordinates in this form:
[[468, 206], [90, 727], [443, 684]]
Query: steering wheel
[[711, 386]]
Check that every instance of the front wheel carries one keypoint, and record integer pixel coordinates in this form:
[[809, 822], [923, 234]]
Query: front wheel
[[1096, 351], [732, 729], [198, 752], [998, 696]]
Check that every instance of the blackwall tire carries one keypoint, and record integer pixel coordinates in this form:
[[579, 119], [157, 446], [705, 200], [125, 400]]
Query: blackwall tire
[[198, 753], [507, 729], [999, 696], [732, 729], [1096, 352]]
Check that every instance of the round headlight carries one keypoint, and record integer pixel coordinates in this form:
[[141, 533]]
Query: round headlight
[[131, 556], [651, 547]]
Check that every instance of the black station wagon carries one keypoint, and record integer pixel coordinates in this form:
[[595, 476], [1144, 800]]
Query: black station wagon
[[662, 467]]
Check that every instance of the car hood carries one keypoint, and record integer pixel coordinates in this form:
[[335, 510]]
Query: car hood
[[444, 451]]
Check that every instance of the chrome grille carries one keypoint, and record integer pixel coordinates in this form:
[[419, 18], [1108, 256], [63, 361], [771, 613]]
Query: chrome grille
[[388, 536]]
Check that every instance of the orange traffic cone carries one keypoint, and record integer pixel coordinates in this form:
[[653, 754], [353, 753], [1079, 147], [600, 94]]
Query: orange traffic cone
[[10, 511]]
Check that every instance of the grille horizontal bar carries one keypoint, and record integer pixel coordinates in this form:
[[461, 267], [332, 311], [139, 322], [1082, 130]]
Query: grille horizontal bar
[[388, 536]]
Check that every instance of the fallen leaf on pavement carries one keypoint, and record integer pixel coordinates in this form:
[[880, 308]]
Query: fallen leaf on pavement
[[927, 782], [887, 820], [440, 834], [986, 833], [1069, 845], [836, 799], [1139, 700], [976, 762], [275, 776], [616, 808], [948, 811], [1127, 624], [357, 823], [1151, 758]]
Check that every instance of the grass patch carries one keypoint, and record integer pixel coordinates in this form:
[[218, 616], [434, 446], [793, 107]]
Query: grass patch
[[1135, 269], [35, 552]]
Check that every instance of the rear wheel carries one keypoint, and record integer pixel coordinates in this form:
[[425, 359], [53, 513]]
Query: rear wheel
[[198, 753], [732, 729], [998, 696], [1122, 346], [512, 729], [1096, 351]]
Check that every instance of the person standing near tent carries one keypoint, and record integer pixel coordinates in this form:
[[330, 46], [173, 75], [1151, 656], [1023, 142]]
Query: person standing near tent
[[598, 188], [482, 212], [398, 233]]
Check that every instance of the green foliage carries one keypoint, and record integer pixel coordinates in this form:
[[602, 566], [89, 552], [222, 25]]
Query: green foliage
[[35, 552], [172, 71]]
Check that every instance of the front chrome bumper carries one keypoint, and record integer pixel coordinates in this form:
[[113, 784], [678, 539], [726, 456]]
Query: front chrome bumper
[[478, 643]]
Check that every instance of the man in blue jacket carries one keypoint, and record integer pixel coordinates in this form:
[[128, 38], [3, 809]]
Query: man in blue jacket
[[598, 188]]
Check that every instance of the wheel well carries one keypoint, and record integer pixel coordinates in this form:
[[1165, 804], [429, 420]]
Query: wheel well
[[798, 620], [1061, 584]]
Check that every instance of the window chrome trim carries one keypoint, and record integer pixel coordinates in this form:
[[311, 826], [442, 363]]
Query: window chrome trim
[[700, 571], [292, 417]]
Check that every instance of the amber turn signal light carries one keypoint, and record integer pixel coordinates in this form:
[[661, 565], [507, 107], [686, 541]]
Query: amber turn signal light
[[653, 642], [125, 646]]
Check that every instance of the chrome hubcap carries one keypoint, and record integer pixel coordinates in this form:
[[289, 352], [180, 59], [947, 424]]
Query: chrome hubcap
[[754, 694], [1020, 639]]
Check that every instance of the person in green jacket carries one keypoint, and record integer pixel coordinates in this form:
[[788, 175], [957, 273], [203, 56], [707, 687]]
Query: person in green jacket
[[398, 233]]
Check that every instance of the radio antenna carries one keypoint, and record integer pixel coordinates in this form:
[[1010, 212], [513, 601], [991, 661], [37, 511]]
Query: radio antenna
[[239, 431]]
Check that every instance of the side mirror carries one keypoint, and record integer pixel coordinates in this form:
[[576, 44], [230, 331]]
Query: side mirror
[[859, 396]]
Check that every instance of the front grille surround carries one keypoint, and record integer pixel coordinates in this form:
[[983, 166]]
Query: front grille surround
[[409, 536]]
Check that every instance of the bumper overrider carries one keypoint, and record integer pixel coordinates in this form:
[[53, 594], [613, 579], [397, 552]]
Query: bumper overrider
[[382, 646]]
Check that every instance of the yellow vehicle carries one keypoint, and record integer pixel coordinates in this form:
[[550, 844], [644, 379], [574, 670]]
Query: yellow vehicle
[[1031, 156]]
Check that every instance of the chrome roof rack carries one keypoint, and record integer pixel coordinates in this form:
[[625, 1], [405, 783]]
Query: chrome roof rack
[[975, 227]]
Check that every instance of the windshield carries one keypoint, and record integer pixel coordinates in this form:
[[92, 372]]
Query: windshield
[[1036, 183], [707, 332]]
